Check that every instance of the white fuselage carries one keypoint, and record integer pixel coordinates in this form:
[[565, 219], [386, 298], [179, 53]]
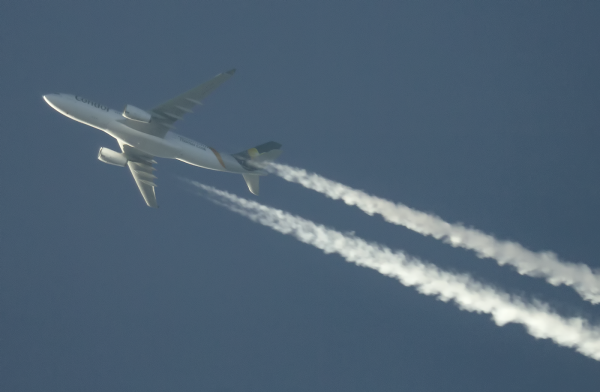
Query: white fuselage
[[172, 146]]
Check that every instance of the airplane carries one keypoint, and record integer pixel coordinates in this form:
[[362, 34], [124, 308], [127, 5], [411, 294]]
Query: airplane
[[146, 134]]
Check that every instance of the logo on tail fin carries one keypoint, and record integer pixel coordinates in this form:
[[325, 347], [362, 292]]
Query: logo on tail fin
[[263, 153]]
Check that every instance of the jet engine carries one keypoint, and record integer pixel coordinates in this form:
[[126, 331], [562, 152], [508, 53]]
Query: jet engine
[[111, 157], [136, 114]]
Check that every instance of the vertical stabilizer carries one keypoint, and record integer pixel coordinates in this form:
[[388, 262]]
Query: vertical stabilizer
[[252, 182], [252, 158]]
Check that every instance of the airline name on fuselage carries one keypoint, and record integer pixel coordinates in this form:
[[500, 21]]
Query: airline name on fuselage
[[193, 143], [94, 104]]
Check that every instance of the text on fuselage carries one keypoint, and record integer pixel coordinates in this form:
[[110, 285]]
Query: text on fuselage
[[193, 143], [94, 104]]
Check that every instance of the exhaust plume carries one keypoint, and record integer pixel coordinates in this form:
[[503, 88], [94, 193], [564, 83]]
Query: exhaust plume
[[545, 265], [537, 318]]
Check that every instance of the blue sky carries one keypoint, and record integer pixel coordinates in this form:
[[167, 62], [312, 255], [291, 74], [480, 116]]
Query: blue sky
[[482, 113]]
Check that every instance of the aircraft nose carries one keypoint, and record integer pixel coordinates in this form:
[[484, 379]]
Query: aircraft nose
[[50, 98], [56, 101]]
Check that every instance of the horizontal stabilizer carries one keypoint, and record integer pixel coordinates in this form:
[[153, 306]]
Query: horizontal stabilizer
[[252, 182]]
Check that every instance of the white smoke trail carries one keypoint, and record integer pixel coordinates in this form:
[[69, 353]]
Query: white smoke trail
[[468, 294], [537, 264]]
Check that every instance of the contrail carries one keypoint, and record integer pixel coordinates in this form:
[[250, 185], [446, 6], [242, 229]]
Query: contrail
[[545, 265], [468, 294]]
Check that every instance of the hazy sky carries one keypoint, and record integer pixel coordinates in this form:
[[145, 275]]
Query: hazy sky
[[485, 113]]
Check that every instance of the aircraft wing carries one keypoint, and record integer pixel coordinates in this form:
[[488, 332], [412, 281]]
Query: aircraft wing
[[174, 109], [166, 114], [140, 165]]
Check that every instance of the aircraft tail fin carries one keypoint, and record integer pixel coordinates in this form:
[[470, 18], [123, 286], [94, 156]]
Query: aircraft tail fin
[[252, 182], [252, 158]]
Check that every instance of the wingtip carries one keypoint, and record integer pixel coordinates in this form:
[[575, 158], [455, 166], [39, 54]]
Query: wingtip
[[231, 71]]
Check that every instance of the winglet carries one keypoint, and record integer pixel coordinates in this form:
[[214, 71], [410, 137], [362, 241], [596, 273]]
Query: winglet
[[231, 71]]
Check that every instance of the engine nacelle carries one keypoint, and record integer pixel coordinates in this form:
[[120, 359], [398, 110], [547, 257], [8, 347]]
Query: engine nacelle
[[111, 157], [136, 114]]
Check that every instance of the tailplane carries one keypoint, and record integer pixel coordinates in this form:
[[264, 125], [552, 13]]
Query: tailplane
[[252, 159], [252, 182]]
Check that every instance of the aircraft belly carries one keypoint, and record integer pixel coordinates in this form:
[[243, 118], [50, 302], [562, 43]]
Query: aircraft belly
[[85, 114], [149, 144], [205, 158], [209, 158]]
